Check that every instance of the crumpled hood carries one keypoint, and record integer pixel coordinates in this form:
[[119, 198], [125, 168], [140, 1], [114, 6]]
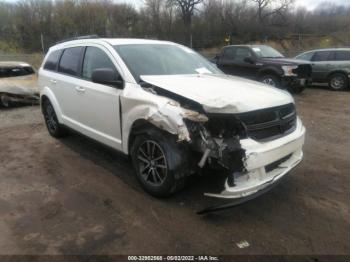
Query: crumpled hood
[[22, 85], [222, 93]]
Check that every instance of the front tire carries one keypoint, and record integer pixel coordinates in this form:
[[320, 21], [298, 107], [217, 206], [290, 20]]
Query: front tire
[[270, 80], [53, 126], [4, 101], [161, 164], [338, 82]]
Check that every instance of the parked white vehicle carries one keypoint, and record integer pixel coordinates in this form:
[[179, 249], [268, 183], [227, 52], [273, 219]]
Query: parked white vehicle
[[173, 112]]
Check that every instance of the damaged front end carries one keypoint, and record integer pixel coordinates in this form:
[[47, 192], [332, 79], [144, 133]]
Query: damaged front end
[[18, 84], [255, 149]]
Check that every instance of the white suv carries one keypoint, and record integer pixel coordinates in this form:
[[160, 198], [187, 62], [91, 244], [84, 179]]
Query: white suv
[[173, 112]]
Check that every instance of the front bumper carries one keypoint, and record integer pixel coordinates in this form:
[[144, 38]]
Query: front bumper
[[260, 156], [294, 81]]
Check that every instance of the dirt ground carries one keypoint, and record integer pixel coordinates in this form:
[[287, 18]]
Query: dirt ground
[[74, 196]]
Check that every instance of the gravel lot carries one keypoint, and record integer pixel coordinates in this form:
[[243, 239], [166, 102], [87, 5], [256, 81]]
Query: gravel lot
[[74, 196]]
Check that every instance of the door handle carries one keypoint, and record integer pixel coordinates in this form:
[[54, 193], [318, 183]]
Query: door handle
[[80, 89], [53, 81]]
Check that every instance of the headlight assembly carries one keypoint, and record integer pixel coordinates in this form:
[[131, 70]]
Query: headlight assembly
[[288, 70]]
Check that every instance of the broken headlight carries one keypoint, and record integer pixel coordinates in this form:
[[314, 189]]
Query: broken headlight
[[289, 70], [225, 126], [194, 116]]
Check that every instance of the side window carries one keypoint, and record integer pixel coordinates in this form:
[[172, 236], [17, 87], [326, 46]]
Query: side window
[[241, 53], [95, 58], [70, 61], [342, 56], [52, 60], [306, 56], [321, 56], [229, 53]]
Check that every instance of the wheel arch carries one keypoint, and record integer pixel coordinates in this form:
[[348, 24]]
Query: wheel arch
[[269, 71], [140, 126], [47, 95], [343, 72], [166, 118]]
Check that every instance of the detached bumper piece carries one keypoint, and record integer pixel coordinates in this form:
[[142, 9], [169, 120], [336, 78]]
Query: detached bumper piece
[[266, 164], [248, 184], [239, 201]]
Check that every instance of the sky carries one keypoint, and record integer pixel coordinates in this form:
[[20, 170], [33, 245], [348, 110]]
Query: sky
[[309, 4]]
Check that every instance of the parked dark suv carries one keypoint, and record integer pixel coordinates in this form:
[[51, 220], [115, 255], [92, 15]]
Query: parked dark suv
[[265, 64], [330, 66]]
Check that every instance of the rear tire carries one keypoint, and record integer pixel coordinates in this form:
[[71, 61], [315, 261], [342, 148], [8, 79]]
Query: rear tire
[[5, 101], [53, 126], [161, 164], [270, 80], [338, 82]]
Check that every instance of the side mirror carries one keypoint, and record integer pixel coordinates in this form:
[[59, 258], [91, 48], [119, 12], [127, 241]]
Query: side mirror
[[106, 76], [249, 60]]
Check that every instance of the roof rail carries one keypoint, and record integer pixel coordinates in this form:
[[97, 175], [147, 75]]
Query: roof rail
[[78, 38]]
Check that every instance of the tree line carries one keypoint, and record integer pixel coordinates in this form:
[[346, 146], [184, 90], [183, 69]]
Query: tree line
[[27, 24]]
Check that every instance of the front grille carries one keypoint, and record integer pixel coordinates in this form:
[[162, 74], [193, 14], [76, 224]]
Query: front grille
[[271, 123], [276, 164], [303, 71]]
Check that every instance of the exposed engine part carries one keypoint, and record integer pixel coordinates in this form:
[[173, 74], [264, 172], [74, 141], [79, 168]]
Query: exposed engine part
[[204, 159], [226, 149]]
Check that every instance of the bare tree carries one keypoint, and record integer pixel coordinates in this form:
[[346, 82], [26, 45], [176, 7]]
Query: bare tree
[[267, 8], [187, 8]]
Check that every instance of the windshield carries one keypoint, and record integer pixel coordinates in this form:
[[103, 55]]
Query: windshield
[[15, 71], [266, 52], [161, 59]]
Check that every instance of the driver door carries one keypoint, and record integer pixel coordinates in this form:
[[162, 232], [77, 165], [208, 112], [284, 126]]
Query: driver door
[[98, 105]]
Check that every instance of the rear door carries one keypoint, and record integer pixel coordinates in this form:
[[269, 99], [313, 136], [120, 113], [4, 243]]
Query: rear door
[[96, 105], [342, 60], [65, 81], [321, 65]]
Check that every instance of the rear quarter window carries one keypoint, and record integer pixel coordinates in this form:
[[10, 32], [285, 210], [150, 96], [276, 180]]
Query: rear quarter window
[[342, 56], [70, 62], [52, 60]]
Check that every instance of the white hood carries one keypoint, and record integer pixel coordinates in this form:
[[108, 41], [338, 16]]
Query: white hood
[[222, 93]]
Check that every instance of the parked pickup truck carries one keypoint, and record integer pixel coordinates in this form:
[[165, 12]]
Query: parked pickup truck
[[265, 64]]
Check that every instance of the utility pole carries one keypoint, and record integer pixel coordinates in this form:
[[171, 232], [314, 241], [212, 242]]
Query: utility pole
[[42, 43]]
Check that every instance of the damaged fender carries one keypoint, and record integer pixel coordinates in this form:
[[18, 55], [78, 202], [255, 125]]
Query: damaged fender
[[162, 112]]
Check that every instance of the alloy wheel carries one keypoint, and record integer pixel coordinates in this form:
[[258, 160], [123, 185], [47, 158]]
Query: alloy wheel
[[152, 163], [269, 81], [4, 100], [50, 118], [337, 82]]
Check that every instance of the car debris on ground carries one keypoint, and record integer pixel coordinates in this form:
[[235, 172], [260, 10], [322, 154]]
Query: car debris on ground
[[18, 84]]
